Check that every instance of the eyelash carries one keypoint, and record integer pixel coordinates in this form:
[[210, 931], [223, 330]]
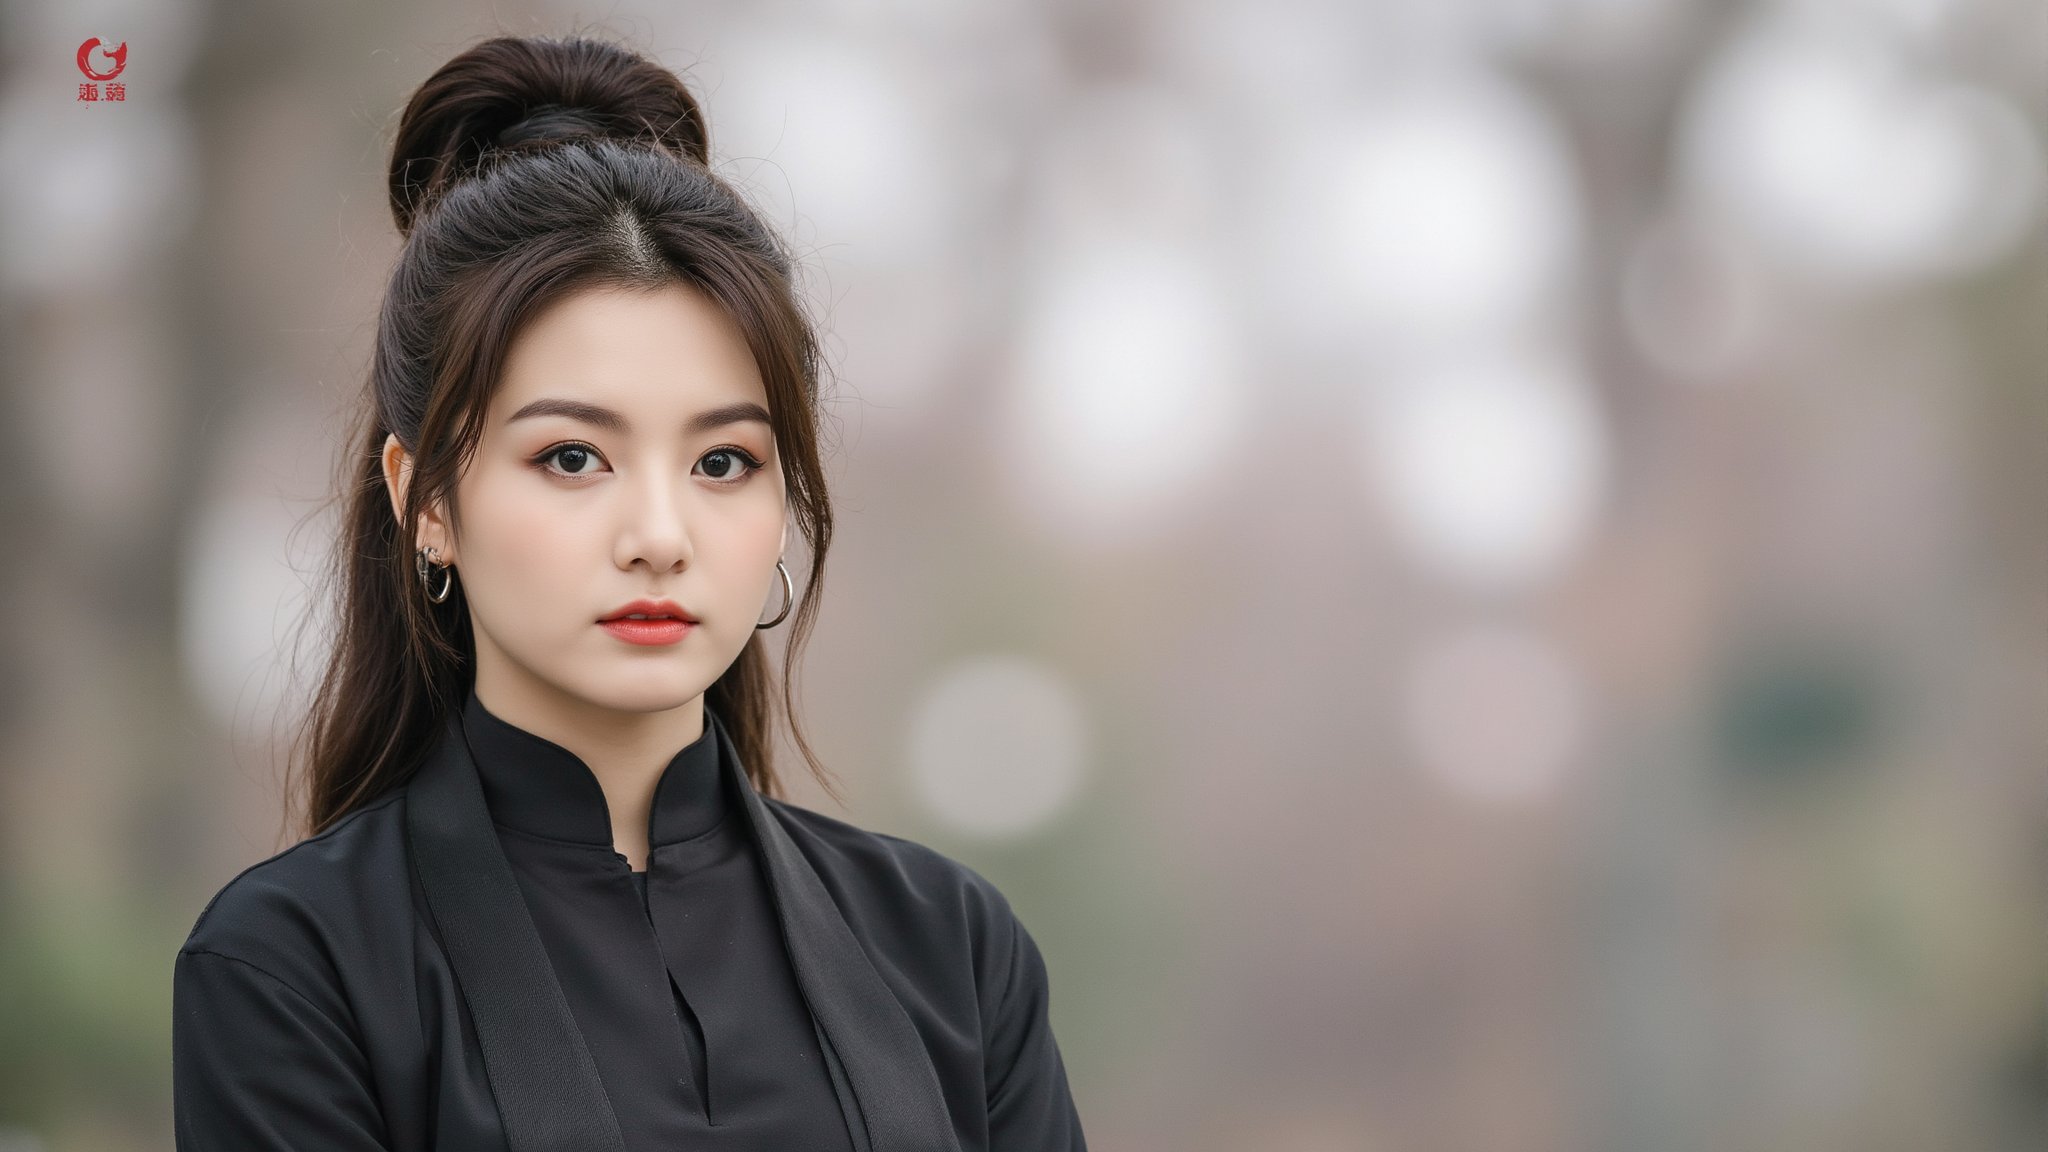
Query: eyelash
[[752, 465]]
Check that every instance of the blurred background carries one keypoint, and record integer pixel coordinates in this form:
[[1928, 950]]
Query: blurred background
[[1476, 570]]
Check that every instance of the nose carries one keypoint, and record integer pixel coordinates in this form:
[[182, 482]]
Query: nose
[[654, 522]]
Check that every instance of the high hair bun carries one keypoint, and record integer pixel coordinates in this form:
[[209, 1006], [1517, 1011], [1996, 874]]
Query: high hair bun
[[513, 94]]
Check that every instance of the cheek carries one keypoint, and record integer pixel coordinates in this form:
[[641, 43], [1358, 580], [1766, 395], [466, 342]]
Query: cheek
[[758, 529], [519, 541], [736, 547]]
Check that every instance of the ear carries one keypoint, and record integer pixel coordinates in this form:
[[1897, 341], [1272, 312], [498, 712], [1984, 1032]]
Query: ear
[[433, 527]]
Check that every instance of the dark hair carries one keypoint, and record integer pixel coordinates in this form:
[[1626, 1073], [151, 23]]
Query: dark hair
[[526, 169]]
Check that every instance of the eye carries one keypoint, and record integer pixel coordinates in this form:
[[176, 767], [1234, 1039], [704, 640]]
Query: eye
[[730, 464], [573, 455]]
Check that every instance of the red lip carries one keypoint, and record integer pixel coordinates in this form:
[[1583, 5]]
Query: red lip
[[651, 608]]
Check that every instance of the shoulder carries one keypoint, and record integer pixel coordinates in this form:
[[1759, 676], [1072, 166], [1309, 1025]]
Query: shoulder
[[895, 886], [295, 913], [903, 868], [938, 922]]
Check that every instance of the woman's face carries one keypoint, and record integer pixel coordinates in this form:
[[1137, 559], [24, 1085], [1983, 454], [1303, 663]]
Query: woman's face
[[618, 461]]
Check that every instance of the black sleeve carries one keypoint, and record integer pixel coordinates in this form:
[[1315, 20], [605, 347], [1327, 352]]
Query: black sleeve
[[256, 1066], [1029, 1106]]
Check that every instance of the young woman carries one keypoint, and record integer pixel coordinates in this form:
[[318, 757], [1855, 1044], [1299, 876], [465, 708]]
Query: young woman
[[550, 898]]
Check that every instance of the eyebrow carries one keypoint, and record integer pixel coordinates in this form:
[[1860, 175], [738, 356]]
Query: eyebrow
[[738, 412]]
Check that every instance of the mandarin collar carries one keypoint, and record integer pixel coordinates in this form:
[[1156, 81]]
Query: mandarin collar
[[535, 785]]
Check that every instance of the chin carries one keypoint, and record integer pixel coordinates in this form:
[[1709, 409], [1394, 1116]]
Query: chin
[[645, 690]]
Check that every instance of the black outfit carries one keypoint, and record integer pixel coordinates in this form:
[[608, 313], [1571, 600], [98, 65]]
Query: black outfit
[[776, 979]]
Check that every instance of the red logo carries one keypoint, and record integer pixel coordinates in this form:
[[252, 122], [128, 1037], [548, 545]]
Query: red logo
[[118, 55], [90, 90]]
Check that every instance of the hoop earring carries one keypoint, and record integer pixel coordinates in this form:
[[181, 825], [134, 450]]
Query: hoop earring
[[788, 597], [419, 563]]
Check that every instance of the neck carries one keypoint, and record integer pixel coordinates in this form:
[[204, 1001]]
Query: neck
[[626, 751]]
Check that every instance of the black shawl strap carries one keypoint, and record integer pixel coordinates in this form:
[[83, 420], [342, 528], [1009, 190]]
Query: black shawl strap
[[546, 1085], [871, 1048]]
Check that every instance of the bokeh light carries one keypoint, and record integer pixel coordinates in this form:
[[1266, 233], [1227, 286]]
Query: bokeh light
[[1434, 213], [998, 746], [1846, 159], [1492, 469], [1127, 388], [831, 140]]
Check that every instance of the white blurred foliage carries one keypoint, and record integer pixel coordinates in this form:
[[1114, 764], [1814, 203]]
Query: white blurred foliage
[[1492, 467], [1844, 160], [829, 135], [90, 193], [1127, 387], [1444, 209], [998, 746], [244, 600]]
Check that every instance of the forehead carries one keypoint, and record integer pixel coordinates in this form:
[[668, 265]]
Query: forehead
[[654, 355]]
